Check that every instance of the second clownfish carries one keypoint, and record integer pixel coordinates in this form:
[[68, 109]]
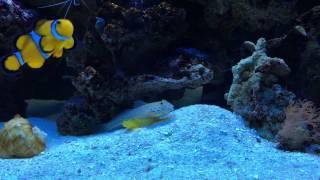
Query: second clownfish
[[49, 39]]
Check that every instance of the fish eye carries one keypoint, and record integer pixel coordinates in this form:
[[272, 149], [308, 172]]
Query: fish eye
[[58, 22]]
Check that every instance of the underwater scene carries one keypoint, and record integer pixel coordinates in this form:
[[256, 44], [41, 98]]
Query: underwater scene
[[159, 89]]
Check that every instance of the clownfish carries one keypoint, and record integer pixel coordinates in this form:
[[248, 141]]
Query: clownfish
[[48, 39]]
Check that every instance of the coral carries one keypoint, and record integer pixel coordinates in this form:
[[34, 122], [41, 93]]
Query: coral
[[289, 47], [19, 139], [104, 96], [128, 60], [77, 119], [218, 27], [132, 39], [301, 126], [300, 48], [255, 92]]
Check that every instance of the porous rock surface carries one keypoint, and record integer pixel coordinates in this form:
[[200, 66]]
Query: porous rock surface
[[256, 92]]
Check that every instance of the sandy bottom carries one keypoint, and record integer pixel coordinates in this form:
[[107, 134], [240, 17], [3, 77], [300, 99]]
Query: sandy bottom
[[199, 142]]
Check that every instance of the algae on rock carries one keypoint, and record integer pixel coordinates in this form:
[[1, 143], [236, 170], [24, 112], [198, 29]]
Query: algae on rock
[[256, 93]]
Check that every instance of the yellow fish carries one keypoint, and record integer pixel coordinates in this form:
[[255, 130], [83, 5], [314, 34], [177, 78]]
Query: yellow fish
[[136, 123], [48, 39]]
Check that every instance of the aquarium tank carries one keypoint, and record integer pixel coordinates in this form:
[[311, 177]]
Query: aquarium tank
[[159, 89]]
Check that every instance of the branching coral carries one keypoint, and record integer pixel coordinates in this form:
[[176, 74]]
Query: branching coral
[[301, 126]]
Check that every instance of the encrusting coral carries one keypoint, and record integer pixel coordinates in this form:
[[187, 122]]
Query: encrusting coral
[[19, 139]]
